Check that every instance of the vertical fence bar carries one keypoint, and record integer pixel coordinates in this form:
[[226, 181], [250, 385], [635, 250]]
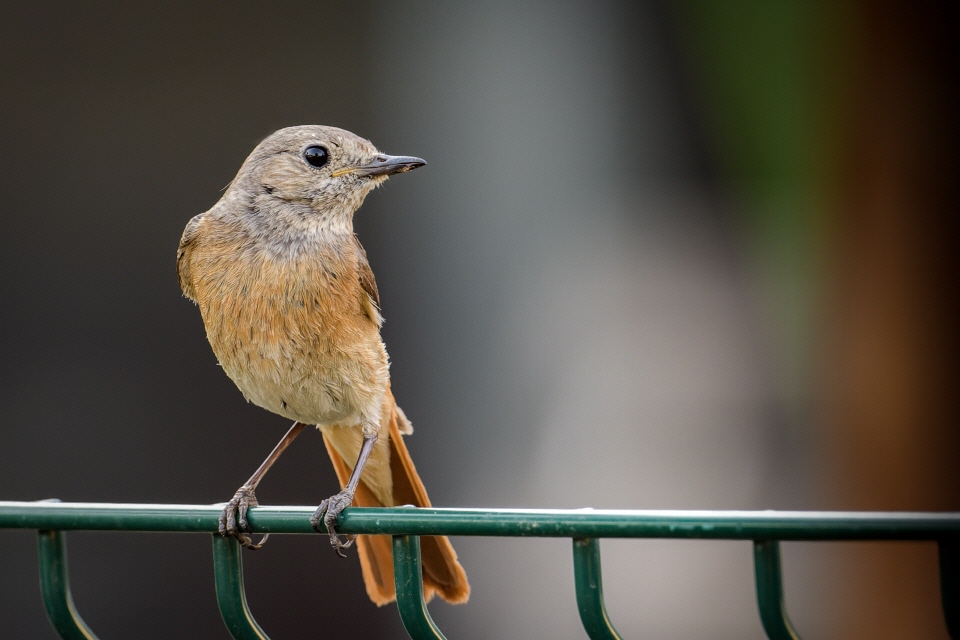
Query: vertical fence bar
[[55, 587], [773, 611], [231, 598], [950, 585], [408, 575], [586, 573]]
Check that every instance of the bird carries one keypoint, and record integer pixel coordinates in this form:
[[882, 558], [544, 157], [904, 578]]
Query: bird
[[292, 311]]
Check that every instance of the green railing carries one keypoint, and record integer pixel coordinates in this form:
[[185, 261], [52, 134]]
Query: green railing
[[766, 529]]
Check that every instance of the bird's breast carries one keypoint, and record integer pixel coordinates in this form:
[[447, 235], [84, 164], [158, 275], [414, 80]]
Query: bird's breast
[[293, 334]]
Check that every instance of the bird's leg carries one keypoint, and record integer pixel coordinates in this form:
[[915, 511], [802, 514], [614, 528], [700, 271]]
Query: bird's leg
[[235, 513], [326, 514]]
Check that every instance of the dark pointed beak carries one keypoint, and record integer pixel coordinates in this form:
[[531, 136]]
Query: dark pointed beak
[[384, 165]]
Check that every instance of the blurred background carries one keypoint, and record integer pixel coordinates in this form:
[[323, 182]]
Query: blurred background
[[665, 255]]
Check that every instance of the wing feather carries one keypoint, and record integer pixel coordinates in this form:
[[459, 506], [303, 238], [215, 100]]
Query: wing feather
[[367, 281], [187, 244], [369, 284]]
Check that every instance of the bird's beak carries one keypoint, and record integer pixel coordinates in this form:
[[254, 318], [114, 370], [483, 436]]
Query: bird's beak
[[384, 165]]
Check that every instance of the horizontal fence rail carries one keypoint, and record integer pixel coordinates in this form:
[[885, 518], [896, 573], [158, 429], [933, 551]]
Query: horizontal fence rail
[[552, 523], [766, 529]]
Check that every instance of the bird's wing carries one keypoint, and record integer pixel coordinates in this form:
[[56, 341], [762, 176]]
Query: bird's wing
[[187, 241], [367, 281]]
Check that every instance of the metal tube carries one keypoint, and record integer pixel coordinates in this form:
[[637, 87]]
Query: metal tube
[[231, 598], [773, 611], [571, 523], [950, 585], [589, 584], [408, 575], [55, 587]]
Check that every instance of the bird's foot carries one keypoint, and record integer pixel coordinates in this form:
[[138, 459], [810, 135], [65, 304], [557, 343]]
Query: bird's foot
[[233, 519], [326, 517]]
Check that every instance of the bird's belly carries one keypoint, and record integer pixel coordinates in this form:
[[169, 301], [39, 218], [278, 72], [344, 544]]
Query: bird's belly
[[323, 390], [307, 362]]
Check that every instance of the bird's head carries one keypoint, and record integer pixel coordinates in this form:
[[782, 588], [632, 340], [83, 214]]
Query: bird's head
[[315, 174]]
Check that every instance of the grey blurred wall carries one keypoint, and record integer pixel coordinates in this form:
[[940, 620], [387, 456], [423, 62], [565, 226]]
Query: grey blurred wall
[[567, 313]]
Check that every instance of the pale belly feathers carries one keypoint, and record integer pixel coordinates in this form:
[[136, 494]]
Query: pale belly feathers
[[295, 339]]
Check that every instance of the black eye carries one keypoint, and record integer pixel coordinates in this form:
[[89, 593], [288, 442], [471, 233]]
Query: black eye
[[316, 156]]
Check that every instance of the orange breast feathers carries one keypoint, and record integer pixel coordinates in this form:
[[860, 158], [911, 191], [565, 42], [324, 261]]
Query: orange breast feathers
[[299, 336]]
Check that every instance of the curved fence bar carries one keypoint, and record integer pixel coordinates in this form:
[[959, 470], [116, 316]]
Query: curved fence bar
[[55, 587], [231, 598], [409, 580], [764, 528], [773, 610], [950, 585], [589, 584], [559, 523]]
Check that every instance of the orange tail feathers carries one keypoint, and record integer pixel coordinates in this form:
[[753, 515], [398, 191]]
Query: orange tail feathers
[[442, 573]]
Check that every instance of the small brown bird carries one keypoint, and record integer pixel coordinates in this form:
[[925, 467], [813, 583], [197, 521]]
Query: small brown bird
[[292, 312]]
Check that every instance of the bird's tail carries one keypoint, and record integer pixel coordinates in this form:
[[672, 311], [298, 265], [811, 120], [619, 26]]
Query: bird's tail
[[442, 573]]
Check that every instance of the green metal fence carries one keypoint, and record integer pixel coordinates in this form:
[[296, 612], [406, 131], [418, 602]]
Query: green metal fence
[[766, 529]]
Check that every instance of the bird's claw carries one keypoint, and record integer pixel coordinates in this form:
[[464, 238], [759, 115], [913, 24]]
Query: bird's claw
[[324, 520], [233, 519]]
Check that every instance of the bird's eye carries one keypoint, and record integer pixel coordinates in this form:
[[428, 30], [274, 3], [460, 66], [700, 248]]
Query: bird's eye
[[316, 156]]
